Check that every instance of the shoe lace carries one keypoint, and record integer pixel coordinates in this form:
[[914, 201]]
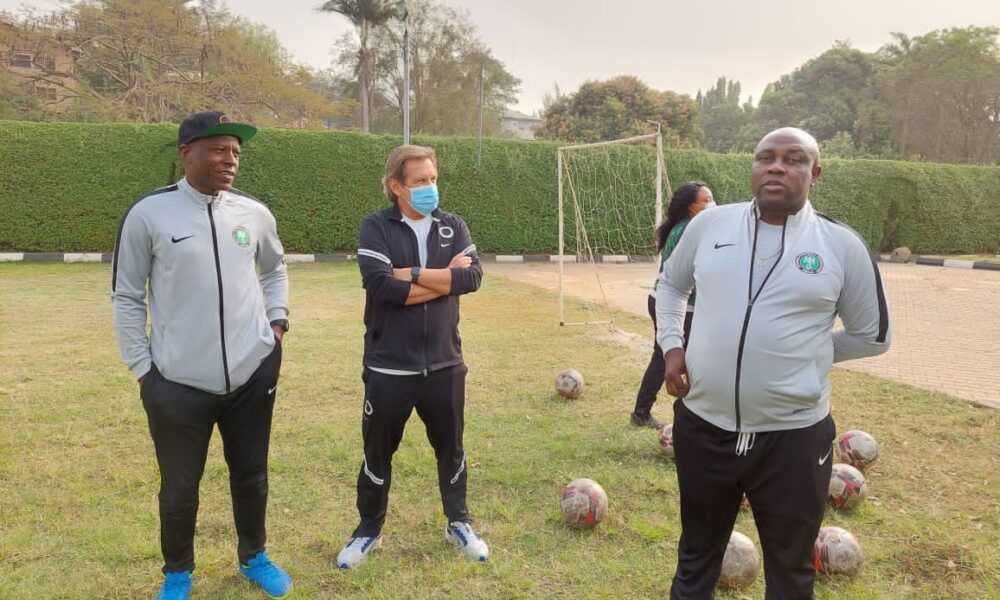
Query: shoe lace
[[262, 566], [464, 532], [359, 542]]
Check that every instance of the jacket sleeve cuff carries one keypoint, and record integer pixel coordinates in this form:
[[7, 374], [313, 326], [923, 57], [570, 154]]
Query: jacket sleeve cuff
[[669, 342], [278, 312], [142, 367]]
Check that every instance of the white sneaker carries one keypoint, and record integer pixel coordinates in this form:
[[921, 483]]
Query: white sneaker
[[462, 535], [356, 550]]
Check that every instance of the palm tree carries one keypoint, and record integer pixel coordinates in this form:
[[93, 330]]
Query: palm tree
[[365, 15]]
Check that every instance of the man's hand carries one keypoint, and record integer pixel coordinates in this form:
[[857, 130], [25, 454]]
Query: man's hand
[[279, 331], [675, 376], [460, 261]]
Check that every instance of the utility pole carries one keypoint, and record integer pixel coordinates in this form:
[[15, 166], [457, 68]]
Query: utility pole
[[479, 149], [404, 14]]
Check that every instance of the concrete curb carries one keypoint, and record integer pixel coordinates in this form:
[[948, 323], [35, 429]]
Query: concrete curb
[[98, 257]]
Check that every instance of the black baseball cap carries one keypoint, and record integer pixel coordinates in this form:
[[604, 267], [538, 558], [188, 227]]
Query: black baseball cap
[[211, 123]]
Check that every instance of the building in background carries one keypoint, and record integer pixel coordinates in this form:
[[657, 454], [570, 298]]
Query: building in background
[[39, 66], [519, 125]]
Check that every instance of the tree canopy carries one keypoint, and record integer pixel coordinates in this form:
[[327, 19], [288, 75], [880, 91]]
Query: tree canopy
[[146, 61], [621, 107]]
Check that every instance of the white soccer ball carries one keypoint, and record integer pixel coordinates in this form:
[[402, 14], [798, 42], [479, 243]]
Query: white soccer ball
[[666, 436], [741, 563], [847, 487], [569, 383], [584, 502], [857, 449], [837, 552]]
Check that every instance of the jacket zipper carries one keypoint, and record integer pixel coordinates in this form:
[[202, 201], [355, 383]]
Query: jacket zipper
[[416, 252], [222, 314], [751, 298]]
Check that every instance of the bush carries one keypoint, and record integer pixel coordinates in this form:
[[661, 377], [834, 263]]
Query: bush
[[64, 187]]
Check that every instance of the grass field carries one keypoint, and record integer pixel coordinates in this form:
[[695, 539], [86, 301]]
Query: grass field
[[78, 478]]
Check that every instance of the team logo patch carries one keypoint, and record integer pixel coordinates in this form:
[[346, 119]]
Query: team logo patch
[[809, 262], [446, 232], [241, 235]]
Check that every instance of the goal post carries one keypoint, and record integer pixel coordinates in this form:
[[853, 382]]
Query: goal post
[[613, 193]]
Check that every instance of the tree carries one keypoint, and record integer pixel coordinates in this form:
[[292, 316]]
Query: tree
[[832, 93], [366, 15], [621, 107], [722, 117], [446, 61], [160, 61], [943, 94]]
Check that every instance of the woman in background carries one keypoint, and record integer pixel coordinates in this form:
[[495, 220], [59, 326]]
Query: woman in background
[[689, 200]]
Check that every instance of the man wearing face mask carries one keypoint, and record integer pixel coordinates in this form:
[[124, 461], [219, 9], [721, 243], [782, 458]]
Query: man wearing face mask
[[416, 260]]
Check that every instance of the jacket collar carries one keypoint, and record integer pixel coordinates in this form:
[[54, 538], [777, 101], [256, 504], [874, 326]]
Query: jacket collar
[[794, 221], [203, 199], [395, 214]]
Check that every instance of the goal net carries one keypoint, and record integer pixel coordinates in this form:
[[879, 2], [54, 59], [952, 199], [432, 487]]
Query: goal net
[[610, 201]]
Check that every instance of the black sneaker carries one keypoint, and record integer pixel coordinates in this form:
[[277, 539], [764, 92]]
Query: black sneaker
[[644, 420]]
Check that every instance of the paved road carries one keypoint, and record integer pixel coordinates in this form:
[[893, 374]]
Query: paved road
[[946, 321]]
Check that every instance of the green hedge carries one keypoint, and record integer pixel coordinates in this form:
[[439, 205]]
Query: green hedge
[[64, 187]]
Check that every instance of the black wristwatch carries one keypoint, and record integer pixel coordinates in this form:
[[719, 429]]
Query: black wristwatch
[[414, 274], [283, 323]]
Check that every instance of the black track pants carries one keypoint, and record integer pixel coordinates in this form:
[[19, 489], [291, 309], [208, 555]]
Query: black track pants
[[785, 475], [439, 399], [181, 419]]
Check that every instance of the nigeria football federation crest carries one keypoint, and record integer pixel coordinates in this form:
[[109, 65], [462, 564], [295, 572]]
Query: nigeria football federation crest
[[809, 262], [241, 235]]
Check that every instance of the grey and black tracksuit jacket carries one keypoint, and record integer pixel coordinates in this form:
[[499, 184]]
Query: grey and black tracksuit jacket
[[762, 363], [209, 320], [422, 337]]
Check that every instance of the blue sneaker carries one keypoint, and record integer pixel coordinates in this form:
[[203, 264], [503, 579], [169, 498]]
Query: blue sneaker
[[177, 586], [268, 576]]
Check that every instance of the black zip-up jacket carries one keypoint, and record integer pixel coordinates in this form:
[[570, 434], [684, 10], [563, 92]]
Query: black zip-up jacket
[[420, 337]]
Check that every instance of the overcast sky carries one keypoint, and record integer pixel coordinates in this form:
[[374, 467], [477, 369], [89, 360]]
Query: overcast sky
[[680, 45]]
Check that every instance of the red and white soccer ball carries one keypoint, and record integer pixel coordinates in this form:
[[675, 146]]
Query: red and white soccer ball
[[666, 435], [837, 552], [569, 383], [857, 449], [847, 487], [741, 563], [584, 502]]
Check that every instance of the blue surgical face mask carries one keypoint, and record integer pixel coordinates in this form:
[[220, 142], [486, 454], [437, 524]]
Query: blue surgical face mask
[[424, 199]]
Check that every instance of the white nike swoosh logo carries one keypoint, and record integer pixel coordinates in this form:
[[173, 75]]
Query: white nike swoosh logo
[[271, 391], [445, 245], [823, 460]]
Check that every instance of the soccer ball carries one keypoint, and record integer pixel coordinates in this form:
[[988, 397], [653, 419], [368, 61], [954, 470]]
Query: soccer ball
[[857, 449], [741, 563], [847, 487], [569, 383], [584, 502], [666, 435], [837, 552]]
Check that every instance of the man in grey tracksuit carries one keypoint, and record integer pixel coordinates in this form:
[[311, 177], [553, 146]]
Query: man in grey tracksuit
[[753, 414], [213, 352]]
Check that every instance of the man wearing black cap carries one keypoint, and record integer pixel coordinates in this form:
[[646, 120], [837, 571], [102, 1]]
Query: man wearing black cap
[[213, 353]]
